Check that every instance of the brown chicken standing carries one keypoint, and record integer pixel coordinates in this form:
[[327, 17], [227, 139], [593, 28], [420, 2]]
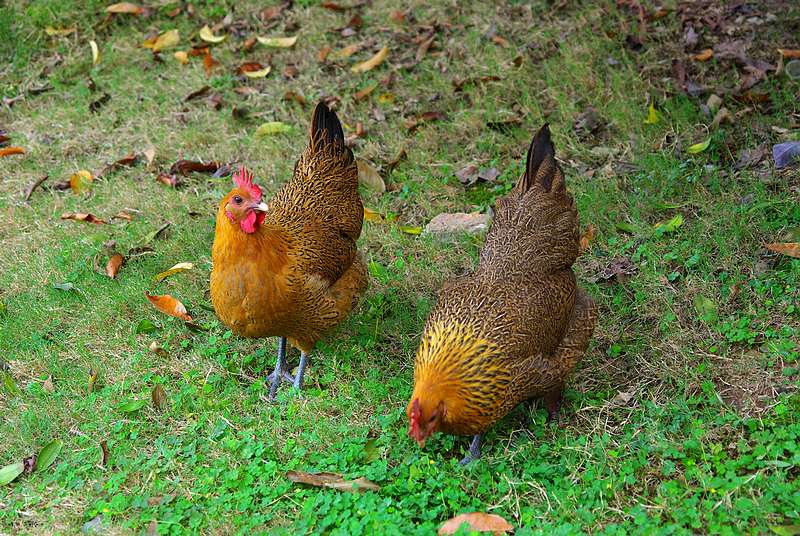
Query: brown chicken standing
[[515, 328], [291, 268]]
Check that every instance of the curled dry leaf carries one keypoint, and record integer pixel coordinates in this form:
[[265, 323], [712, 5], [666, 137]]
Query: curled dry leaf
[[159, 397], [586, 238], [346, 52], [277, 42], [114, 264], [184, 167], [208, 36], [296, 97], [323, 53], [81, 181], [169, 306], [790, 53], [705, 55], [95, 52], [331, 480], [197, 94], [371, 215], [371, 63], [159, 351], [791, 249], [48, 385], [369, 176], [254, 70], [104, 453], [209, 62], [8, 151], [169, 180], [163, 41], [182, 57], [476, 521], [125, 7], [364, 93], [180, 267], [82, 216], [699, 147]]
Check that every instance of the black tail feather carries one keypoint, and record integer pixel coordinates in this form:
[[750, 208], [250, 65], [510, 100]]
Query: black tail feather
[[325, 126], [541, 165]]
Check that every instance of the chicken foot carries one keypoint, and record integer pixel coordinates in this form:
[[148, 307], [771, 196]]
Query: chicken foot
[[474, 452], [280, 372]]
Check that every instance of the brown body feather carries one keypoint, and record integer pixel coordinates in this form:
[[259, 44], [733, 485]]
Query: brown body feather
[[515, 328], [299, 274]]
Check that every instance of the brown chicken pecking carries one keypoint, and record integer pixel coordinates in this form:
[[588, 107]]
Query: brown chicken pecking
[[515, 328], [291, 268]]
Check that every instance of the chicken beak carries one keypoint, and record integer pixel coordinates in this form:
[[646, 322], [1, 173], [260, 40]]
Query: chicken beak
[[261, 207]]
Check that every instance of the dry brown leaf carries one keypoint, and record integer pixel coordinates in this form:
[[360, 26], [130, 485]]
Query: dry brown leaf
[[371, 63], [8, 151], [333, 6], [48, 385], [501, 41], [398, 17], [125, 7], [364, 93], [159, 396], [369, 176], [331, 480], [184, 167], [168, 179], [705, 55], [423, 48], [197, 94], [346, 52], [169, 306], [323, 53], [789, 53], [209, 62], [114, 264], [792, 249], [81, 181], [296, 97], [586, 238], [477, 521], [82, 216]]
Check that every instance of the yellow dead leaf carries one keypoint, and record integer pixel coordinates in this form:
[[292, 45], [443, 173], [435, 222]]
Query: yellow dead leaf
[[169, 306], [208, 36], [346, 52], [371, 215], [163, 41], [272, 127], [95, 52], [652, 115], [180, 267], [182, 57], [699, 147], [81, 181], [261, 73], [705, 55], [792, 249], [58, 31], [371, 63], [411, 229], [149, 154], [277, 42], [386, 98], [125, 7]]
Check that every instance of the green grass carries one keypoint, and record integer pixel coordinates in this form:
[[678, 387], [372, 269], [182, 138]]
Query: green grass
[[682, 418]]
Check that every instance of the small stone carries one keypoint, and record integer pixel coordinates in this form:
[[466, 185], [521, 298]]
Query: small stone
[[457, 223]]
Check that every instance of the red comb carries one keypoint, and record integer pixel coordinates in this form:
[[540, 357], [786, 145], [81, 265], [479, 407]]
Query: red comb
[[413, 429], [244, 180]]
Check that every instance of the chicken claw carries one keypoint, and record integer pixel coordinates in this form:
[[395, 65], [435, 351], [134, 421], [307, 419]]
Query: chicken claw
[[474, 450]]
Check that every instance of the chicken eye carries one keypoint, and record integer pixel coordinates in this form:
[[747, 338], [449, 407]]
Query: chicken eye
[[237, 199]]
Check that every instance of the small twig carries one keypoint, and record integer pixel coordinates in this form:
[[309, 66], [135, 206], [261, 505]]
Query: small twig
[[29, 190]]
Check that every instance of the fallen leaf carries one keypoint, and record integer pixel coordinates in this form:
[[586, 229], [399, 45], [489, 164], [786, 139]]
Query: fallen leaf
[[8, 151], [699, 147], [9, 472], [369, 176], [159, 397], [670, 225], [153, 235], [184, 167], [273, 12], [170, 180], [272, 128], [209, 62], [424, 117], [114, 264], [323, 53], [791, 249], [81, 181], [92, 381], [296, 97], [197, 94], [59, 31], [784, 154], [163, 41], [586, 238], [125, 7], [95, 52], [346, 52], [333, 6], [423, 48], [652, 115], [180, 267], [208, 36], [253, 69], [619, 268], [48, 454], [48, 385], [104, 453], [476, 521], [156, 349], [488, 174], [410, 229], [277, 42], [371, 63], [132, 406], [371, 215], [331, 480], [705, 55], [33, 186], [398, 17], [182, 57], [386, 98], [82, 216], [169, 306], [468, 175], [149, 154]]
